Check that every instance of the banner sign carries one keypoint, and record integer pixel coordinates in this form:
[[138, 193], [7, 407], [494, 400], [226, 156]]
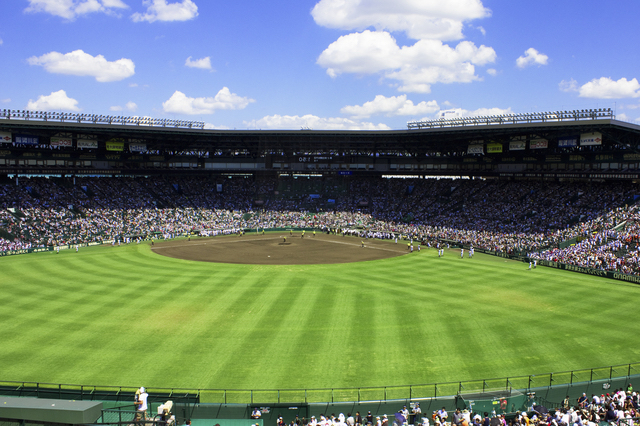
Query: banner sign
[[475, 149], [494, 147], [568, 142], [598, 272], [115, 146], [89, 144], [5, 137], [593, 138], [61, 142], [517, 145], [27, 140], [137, 147], [538, 144]]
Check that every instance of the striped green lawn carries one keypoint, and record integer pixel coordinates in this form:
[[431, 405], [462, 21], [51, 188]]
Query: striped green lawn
[[125, 316]]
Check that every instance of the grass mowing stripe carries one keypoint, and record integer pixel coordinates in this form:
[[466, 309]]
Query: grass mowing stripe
[[124, 316]]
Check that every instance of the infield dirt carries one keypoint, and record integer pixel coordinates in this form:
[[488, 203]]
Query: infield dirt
[[273, 249]]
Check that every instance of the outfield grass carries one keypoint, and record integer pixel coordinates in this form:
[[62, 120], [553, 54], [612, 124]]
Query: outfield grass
[[125, 316]]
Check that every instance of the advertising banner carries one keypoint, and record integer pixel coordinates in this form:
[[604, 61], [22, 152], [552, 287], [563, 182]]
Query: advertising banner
[[61, 142], [88, 144], [538, 144], [475, 149], [5, 137], [568, 142], [137, 147], [517, 145], [27, 140], [494, 147], [593, 138], [115, 146]]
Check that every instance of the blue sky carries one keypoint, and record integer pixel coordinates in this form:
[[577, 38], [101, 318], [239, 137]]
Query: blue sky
[[319, 64]]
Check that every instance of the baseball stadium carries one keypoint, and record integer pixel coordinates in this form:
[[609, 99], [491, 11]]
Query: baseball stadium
[[488, 264]]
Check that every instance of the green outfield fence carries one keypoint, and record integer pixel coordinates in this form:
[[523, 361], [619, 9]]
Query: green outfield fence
[[326, 395]]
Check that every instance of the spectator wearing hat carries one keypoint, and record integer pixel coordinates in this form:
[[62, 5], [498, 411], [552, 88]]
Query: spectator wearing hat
[[141, 403]]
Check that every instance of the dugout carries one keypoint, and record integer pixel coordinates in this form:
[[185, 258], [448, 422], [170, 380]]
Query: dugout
[[39, 411]]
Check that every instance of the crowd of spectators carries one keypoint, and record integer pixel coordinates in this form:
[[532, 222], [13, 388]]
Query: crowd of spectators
[[518, 217]]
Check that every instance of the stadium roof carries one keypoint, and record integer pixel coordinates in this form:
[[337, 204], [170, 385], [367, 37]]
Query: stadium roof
[[416, 141]]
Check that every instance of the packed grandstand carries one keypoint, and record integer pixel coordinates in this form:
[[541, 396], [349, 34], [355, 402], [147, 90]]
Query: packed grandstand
[[588, 224]]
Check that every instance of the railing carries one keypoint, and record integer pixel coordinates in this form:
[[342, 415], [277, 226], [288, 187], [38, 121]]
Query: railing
[[127, 415], [325, 395], [535, 117], [96, 118]]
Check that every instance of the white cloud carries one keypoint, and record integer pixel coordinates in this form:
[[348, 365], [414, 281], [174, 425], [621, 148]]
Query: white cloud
[[129, 106], [606, 88], [71, 9], [415, 67], [211, 126], [624, 117], [1, 42], [419, 19], [5, 101], [531, 57], [182, 104], [55, 101], [492, 72], [204, 63], [160, 10], [568, 86], [391, 106], [83, 64], [309, 121]]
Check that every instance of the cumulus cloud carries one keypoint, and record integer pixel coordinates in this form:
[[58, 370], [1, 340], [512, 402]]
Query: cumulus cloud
[[531, 57], [182, 104], [568, 86], [55, 101], [160, 10], [83, 64], [390, 106], [71, 9], [416, 67], [129, 106], [309, 121], [211, 126], [204, 63], [419, 19], [607, 88]]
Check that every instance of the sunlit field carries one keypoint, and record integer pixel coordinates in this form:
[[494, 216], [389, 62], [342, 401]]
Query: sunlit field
[[126, 316]]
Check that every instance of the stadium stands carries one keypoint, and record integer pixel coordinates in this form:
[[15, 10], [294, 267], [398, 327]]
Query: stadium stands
[[519, 217]]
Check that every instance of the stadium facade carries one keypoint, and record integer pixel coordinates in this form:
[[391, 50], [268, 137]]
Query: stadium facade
[[585, 145]]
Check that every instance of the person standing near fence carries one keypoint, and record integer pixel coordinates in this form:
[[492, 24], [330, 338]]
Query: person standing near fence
[[141, 403]]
